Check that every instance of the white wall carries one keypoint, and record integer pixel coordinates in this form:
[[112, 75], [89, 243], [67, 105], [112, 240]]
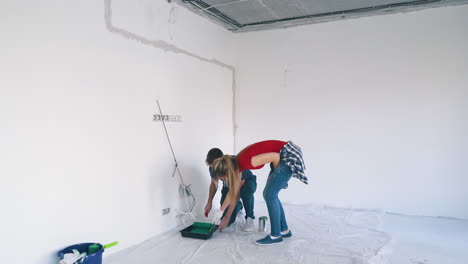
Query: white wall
[[81, 159], [379, 113], [378, 105]]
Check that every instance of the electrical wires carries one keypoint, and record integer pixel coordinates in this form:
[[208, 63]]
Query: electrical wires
[[184, 190]]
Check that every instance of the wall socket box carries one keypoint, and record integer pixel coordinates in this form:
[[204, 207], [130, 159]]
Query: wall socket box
[[167, 118], [166, 211]]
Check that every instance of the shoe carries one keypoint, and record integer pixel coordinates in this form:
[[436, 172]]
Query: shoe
[[269, 241], [289, 234], [249, 225]]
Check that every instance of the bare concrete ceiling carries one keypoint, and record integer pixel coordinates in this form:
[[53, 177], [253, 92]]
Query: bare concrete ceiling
[[249, 15]]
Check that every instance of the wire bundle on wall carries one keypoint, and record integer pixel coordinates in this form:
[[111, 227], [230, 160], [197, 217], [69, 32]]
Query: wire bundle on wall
[[184, 190]]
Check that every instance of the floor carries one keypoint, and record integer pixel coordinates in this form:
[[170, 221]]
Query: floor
[[322, 235], [425, 240]]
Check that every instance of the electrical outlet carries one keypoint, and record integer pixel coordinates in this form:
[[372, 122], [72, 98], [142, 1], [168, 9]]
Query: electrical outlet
[[166, 211], [167, 118]]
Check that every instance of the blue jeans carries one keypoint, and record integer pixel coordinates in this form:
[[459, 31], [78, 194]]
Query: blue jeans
[[277, 179], [247, 195]]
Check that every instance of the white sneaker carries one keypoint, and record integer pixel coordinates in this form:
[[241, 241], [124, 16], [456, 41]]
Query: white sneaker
[[249, 225]]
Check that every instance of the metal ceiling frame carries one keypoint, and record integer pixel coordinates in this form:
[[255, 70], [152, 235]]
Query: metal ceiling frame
[[204, 7], [214, 14]]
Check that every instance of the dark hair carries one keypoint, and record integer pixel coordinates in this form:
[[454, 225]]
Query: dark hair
[[213, 154]]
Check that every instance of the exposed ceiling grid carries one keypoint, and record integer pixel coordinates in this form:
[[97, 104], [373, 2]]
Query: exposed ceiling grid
[[248, 15]]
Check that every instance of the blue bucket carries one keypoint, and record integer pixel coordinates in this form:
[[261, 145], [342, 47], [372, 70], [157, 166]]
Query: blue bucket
[[95, 258]]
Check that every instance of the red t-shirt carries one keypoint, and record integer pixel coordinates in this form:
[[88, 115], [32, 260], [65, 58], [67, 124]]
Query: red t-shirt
[[244, 159]]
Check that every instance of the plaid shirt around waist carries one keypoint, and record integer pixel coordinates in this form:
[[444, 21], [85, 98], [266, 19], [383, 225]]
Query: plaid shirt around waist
[[291, 154]]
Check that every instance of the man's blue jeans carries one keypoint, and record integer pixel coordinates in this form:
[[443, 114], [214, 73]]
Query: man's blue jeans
[[277, 179], [247, 195]]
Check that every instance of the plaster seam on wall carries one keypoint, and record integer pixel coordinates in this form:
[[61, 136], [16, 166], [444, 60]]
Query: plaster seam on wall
[[168, 47]]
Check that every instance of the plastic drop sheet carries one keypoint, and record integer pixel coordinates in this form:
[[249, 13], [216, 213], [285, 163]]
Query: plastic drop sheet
[[321, 235]]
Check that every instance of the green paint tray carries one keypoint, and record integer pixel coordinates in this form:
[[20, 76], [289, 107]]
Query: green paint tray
[[199, 230]]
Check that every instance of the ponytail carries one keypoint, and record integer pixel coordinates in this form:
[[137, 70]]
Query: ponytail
[[227, 166]]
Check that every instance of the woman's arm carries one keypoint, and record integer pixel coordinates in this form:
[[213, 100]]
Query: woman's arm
[[270, 157], [227, 201], [232, 205]]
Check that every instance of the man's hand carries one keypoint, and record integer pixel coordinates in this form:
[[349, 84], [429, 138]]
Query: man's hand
[[208, 208], [224, 223]]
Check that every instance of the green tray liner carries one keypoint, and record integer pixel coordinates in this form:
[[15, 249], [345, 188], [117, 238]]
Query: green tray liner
[[202, 231], [202, 225]]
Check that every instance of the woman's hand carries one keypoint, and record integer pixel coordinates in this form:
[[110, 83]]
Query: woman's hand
[[224, 223]]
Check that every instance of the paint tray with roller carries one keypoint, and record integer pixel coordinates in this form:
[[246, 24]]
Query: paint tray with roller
[[199, 230]]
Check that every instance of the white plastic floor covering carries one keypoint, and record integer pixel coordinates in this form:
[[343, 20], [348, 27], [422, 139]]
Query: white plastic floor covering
[[321, 234]]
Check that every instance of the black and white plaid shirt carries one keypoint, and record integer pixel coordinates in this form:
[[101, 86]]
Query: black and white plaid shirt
[[291, 154]]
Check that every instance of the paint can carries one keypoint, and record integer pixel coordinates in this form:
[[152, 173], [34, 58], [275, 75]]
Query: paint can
[[262, 224]]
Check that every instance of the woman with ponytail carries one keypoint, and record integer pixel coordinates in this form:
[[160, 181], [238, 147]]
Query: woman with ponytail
[[248, 187], [285, 159]]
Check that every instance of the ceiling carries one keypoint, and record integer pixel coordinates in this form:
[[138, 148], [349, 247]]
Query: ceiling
[[249, 15]]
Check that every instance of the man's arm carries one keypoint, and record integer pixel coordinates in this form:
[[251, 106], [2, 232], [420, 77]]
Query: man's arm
[[213, 189], [211, 194]]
